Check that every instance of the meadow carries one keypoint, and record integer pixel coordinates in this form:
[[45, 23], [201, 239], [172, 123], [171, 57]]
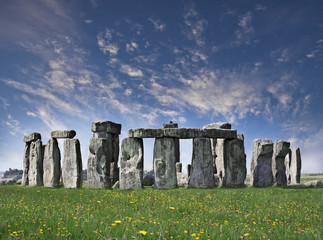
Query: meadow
[[220, 213]]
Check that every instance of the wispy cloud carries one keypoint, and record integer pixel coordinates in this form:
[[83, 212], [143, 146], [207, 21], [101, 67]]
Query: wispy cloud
[[158, 24], [245, 30], [105, 43], [12, 124], [131, 71]]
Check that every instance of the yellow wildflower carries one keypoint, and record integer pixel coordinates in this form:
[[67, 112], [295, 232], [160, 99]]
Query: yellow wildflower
[[143, 232]]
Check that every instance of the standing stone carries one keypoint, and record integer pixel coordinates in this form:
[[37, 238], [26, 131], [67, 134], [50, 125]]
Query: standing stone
[[165, 163], [174, 125], [98, 166], [234, 163], [261, 174], [24, 180], [295, 166], [179, 167], [287, 165], [52, 164], [131, 163], [202, 172], [32, 137], [72, 164], [281, 149], [35, 173], [115, 158], [189, 167]]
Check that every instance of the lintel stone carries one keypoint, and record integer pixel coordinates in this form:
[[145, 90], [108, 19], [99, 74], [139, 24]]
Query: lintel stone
[[183, 133], [63, 134], [107, 126], [32, 137]]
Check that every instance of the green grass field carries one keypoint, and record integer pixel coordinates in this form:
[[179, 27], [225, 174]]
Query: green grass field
[[220, 213]]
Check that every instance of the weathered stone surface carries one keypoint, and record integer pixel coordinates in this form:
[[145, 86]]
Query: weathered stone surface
[[72, 164], [178, 167], [174, 125], [281, 149], [52, 164], [63, 134], [5, 181], [261, 174], [216, 180], [35, 173], [32, 137], [25, 180], [165, 163], [146, 133], [235, 170], [218, 154], [287, 165], [182, 179], [98, 166], [202, 172], [115, 158], [114, 173], [149, 179], [131, 163], [295, 166], [106, 126], [240, 136], [188, 168], [222, 125], [182, 133], [315, 183]]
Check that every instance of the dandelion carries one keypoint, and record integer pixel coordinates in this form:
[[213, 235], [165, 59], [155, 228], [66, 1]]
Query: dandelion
[[172, 208], [98, 201], [143, 232], [117, 221]]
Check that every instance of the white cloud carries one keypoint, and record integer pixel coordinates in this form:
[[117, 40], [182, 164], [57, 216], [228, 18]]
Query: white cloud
[[158, 25], [88, 21], [245, 30], [260, 7], [5, 103], [31, 114], [105, 43], [128, 92], [49, 119], [132, 46], [12, 124], [131, 71]]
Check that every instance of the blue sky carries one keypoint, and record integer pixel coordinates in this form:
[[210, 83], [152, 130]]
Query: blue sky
[[256, 64]]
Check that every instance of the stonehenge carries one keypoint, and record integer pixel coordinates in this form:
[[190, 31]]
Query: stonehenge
[[218, 158]]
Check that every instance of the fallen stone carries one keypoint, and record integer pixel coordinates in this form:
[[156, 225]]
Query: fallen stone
[[19, 181], [116, 185], [182, 179], [165, 163], [149, 180], [295, 166], [261, 174], [24, 180], [170, 125], [98, 166], [35, 173], [202, 172], [178, 167], [106, 126], [235, 170], [32, 137], [281, 149], [5, 181], [52, 164], [63, 134], [131, 163], [72, 164], [315, 183]]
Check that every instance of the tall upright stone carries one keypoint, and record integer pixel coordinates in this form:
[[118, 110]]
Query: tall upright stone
[[177, 152], [202, 171], [35, 173], [114, 176], [281, 149], [131, 163], [261, 174], [28, 139], [287, 165], [98, 166], [165, 163], [234, 163], [52, 164], [217, 146], [72, 164], [295, 166]]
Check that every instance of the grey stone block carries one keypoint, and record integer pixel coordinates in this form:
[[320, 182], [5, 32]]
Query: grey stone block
[[222, 125], [281, 149], [106, 126], [35, 173], [32, 137], [165, 163], [25, 180], [72, 164], [131, 163], [98, 166], [52, 164], [146, 133], [261, 174], [63, 134], [295, 166], [202, 172]]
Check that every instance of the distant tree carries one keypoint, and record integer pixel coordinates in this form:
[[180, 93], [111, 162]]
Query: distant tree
[[13, 173]]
